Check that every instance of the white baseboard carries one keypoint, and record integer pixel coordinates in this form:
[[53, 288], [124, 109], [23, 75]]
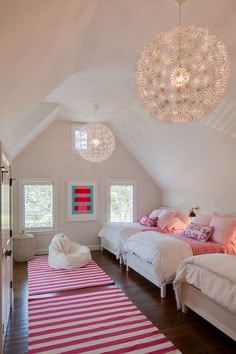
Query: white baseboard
[[95, 247], [41, 252]]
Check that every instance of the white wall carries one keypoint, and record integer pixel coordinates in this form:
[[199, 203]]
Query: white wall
[[192, 163], [50, 156], [221, 200]]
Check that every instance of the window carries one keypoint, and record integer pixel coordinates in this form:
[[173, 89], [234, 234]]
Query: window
[[122, 201], [78, 138], [38, 205]]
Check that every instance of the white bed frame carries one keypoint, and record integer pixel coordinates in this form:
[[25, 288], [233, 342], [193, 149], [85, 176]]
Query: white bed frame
[[145, 269], [109, 246], [210, 310]]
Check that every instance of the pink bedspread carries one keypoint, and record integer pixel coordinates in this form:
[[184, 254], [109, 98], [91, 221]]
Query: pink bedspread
[[157, 229], [201, 247]]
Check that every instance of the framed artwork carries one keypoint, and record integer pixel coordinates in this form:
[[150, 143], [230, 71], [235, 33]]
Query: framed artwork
[[81, 201]]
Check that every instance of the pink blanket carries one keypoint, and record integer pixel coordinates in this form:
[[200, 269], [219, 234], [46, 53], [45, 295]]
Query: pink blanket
[[201, 247]]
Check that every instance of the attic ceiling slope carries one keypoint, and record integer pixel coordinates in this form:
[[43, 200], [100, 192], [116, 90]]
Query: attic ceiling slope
[[119, 31], [200, 154], [41, 41], [75, 53], [32, 126], [178, 157]]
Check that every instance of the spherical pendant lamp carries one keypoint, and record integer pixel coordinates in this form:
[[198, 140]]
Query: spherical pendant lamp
[[182, 74], [96, 141]]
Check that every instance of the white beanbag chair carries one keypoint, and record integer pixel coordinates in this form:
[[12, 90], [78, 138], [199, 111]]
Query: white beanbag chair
[[65, 254]]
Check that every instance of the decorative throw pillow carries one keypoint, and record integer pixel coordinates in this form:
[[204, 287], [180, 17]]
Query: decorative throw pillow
[[203, 219], [146, 221], [165, 217], [198, 232], [152, 222], [224, 227]]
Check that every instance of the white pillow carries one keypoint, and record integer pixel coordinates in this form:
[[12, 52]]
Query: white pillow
[[155, 213]]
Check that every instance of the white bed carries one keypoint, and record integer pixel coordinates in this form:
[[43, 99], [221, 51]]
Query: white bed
[[155, 256], [207, 285], [114, 234]]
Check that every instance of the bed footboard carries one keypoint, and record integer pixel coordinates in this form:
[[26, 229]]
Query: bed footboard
[[109, 246], [145, 269], [210, 310]]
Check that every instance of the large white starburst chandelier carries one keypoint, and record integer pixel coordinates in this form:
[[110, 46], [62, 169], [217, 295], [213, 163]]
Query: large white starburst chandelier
[[96, 141], [182, 74]]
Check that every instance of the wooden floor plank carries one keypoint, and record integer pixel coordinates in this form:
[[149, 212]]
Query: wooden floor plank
[[189, 332]]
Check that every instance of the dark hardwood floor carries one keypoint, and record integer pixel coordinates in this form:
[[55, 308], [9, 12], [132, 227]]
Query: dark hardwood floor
[[189, 332]]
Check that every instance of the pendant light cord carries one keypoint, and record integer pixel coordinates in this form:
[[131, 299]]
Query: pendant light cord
[[95, 106], [180, 54], [179, 14]]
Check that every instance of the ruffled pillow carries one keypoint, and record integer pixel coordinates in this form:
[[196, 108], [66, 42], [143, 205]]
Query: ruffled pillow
[[198, 232], [146, 221]]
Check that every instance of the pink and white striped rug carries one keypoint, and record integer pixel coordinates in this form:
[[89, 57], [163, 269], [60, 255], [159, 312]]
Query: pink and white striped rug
[[42, 279], [99, 321]]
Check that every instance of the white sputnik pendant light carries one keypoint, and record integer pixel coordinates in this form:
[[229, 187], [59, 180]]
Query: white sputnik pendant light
[[96, 141], [182, 74]]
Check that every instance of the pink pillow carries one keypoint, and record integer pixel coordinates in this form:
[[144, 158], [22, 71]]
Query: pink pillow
[[176, 225], [202, 219], [198, 232], [152, 222], [233, 237], [143, 220], [146, 221], [175, 220], [223, 227], [165, 217]]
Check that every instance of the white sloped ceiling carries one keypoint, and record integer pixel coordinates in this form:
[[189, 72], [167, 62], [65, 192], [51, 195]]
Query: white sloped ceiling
[[40, 46], [76, 53]]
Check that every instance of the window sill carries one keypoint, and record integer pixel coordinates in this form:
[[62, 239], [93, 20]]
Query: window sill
[[44, 232]]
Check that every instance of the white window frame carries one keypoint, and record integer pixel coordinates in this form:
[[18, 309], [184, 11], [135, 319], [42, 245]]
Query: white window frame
[[122, 182], [73, 129], [24, 181]]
